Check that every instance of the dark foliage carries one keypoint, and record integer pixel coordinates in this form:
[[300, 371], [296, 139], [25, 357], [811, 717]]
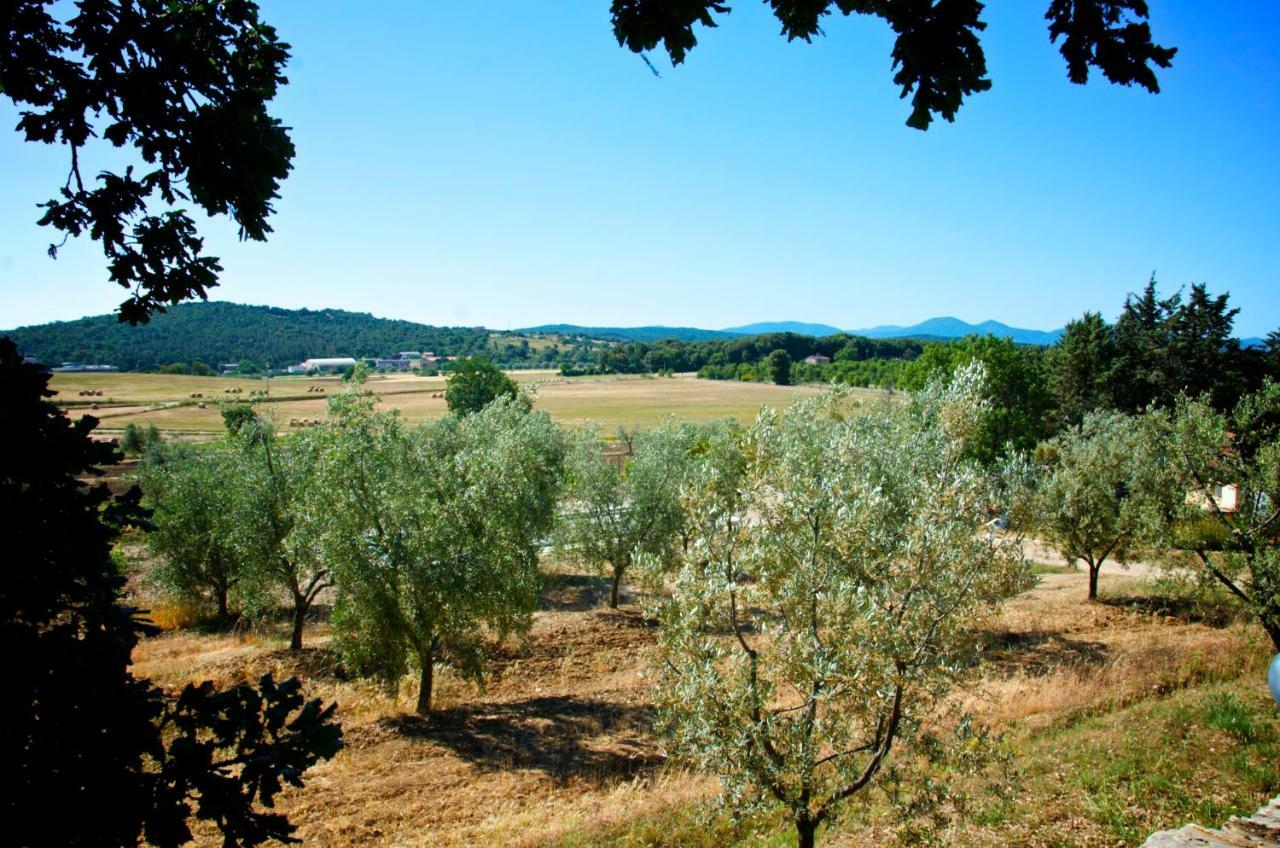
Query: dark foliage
[[475, 383], [119, 757], [778, 367], [221, 333], [1165, 347], [185, 85], [1080, 367], [937, 56]]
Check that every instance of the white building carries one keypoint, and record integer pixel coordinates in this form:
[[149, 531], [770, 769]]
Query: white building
[[328, 364]]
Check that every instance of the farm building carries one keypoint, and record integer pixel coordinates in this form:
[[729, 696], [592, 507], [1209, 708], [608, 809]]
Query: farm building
[[67, 367], [328, 364], [817, 359], [394, 363], [1226, 498]]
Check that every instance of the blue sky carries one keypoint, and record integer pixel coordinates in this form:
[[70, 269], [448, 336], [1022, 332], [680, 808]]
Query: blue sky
[[507, 164]]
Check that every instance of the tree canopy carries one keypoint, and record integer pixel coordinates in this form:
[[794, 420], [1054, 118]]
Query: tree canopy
[[76, 726], [1016, 416], [184, 87], [474, 383], [937, 55], [618, 515]]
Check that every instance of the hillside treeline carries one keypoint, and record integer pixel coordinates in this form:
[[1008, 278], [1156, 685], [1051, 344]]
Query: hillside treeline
[[741, 358], [217, 333]]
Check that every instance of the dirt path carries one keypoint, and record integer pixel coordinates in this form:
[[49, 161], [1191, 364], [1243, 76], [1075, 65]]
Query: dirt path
[[1039, 552]]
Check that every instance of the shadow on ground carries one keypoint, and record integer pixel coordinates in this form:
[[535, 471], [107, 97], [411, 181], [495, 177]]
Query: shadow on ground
[[1210, 610], [1038, 652], [573, 592], [561, 736]]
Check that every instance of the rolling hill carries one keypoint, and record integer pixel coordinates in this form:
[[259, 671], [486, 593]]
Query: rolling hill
[[219, 332]]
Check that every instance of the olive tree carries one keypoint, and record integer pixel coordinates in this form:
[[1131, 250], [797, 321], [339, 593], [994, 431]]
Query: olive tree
[[192, 491], [617, 513], [1103, 494], [1213, 454], [830, 596], [272, 492], [433, 533]]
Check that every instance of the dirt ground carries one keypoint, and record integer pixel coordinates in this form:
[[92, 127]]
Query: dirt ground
[[560, 741]]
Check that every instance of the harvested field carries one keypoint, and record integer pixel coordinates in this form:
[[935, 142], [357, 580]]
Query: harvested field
[[164, 400], [1113, 711]]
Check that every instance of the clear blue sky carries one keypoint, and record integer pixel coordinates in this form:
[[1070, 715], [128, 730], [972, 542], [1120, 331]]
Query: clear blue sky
[[508, 165]]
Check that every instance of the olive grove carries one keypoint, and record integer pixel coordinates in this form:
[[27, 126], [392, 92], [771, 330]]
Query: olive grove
[[830, 595]]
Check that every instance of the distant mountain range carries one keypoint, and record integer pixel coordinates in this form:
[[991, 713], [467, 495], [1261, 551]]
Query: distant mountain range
[[934, 328], [800, 327], [954, 328], [638, 334]]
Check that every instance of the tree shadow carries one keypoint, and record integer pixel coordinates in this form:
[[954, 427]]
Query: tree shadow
[[311, 663], [1038, 652], [564, 737], [1209, 609], [573, 592]]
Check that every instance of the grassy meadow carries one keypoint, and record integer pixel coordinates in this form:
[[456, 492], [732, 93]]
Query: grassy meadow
[[1141, 712], [610, 401]]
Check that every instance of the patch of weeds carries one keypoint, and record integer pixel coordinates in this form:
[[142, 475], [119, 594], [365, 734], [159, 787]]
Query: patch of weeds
[[1230, 714], [1164, 761]]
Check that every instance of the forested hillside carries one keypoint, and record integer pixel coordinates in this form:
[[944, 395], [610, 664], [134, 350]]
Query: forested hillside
[[220, 332]]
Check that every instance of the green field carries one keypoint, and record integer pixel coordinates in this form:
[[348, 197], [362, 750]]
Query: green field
[[165, 400]]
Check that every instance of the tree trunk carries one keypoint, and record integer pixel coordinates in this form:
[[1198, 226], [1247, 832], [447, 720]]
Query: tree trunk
[[1093, 580], [426, 681], [1273, 630], [806, 830], [617, 581], [223, 612], [299, 619]]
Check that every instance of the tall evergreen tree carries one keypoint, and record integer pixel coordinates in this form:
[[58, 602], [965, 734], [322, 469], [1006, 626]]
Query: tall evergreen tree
[[1142, 339], [1202, 357], [1080, 365]]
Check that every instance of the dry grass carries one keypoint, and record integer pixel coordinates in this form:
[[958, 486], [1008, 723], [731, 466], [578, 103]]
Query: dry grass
[[610, 401], [558, 748], [1052, 656]]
